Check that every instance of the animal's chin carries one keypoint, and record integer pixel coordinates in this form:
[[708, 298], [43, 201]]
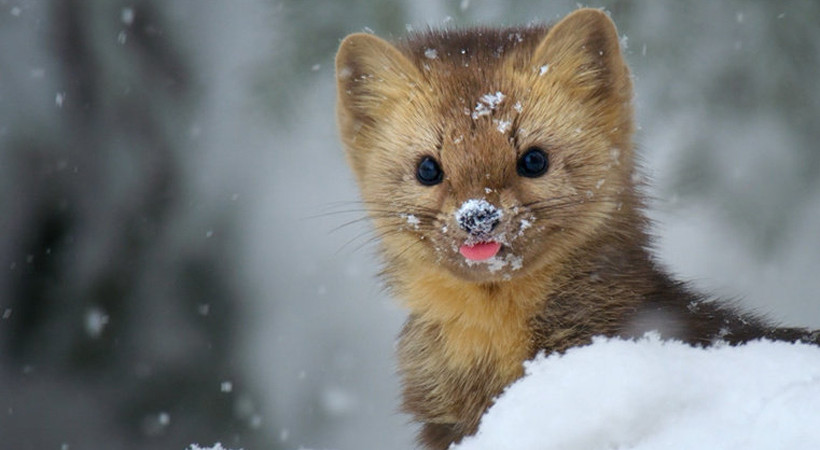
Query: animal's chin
[[488, 261]]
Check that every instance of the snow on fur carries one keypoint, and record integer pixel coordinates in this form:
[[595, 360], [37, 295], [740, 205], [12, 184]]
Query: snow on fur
[[653, 394]]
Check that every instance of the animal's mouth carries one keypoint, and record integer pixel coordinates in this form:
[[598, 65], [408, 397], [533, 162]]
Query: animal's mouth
[[481, 251]]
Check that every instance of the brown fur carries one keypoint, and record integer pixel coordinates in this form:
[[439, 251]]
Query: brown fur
[[574, 263]]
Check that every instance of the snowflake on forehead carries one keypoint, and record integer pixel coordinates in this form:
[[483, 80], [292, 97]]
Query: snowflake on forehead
[[487, 103]]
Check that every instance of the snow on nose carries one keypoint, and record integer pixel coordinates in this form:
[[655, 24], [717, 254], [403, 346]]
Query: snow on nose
[[478, 217]]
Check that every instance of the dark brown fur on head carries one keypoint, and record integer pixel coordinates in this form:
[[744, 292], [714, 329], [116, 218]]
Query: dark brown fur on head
[[476, 101], [574, 261]]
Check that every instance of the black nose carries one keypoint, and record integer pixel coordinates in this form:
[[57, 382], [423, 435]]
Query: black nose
[[478, 217]]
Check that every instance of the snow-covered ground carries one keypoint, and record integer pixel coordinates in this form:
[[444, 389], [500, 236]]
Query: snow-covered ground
[[650, 394]]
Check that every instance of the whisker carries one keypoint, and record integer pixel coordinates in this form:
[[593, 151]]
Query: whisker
[[377, 233], [408, 248], [376, 238]]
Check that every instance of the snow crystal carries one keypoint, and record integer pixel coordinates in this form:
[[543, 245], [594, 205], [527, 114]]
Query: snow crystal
[[431, 53], [216, 446], [345, 73], [59, 99], [544, 69], [127, 16], [15, 11], [487, 103], [464, 5], [226, 387], [518, 107], [164, 419], [412, 220], [503, 126], [615, 155], [315, 67], [95, 322], [495, 263], [337, 401], [651, 394], [493, 100], [6, 313]]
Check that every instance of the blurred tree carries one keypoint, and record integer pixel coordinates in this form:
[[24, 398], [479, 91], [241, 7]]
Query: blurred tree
[[117, 327]]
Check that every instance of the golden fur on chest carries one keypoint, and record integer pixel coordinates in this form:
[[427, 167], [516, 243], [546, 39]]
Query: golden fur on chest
[[464, 342], [476, 323]]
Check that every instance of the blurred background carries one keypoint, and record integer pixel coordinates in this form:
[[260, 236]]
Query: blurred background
[[171, 182]]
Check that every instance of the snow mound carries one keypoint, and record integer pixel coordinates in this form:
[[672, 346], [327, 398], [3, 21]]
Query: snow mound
[[654, 394]]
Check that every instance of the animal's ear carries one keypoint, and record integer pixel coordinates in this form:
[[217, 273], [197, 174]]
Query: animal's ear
[[370, 74], [584, 49]]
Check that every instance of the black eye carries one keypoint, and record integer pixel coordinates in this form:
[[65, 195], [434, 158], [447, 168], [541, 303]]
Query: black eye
[[428, 172], [533, 163]]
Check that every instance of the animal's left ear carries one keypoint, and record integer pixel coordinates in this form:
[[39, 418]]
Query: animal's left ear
[[584, 49], [372, 77], [371, 73]]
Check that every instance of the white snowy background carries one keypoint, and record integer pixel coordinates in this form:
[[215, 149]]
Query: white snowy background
[[245, 301]]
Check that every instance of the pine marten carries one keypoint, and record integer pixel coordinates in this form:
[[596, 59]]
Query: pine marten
[[498, 168]]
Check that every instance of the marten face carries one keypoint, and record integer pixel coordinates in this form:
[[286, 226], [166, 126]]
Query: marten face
[[490, 153]]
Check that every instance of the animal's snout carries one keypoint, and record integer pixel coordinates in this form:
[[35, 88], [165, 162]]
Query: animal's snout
[[478, 217]]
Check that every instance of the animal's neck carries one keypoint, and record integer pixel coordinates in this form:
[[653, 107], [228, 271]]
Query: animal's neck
[[477, 322]]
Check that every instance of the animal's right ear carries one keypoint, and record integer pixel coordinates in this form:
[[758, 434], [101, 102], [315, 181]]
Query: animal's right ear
[[371, 74], [584, 49]]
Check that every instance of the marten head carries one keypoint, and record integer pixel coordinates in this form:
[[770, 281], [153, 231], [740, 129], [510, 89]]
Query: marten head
[[489, 152]]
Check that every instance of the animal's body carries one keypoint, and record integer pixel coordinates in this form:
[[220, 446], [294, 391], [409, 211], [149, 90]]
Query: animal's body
[[498, 168]]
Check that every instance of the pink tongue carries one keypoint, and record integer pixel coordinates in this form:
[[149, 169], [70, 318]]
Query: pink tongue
[[480, 251]]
